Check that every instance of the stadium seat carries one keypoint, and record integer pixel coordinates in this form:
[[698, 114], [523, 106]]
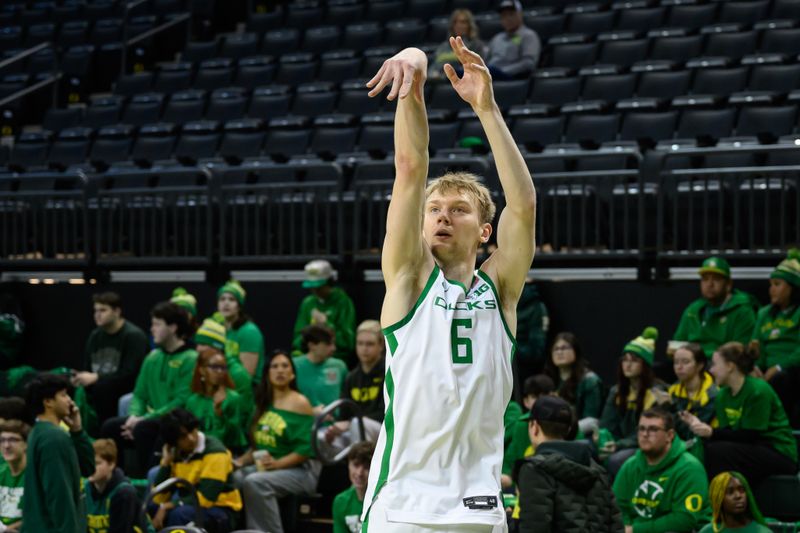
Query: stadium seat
[[692, 15], [719, 80], [664, 84], [640, 19], [679, 48], [384, 10], [766, 122], [153, 143], [103, 112], [112, 144], [354, 99], [40, 33], [132, 84], [591, 129], [283, 143], [105, 31], [362, 35], [197, 51], [374, 58], [185, 106], [786, 9], [255, 71], [227, 104], [214, 74], [591, 22], [555, 91], [706, 123], [321, 39], [144, 108], [779, 78], [624, 52], [261, 23], [545, 25], [537, 132], [611, 87], [424, 9], [295, 69], [744, 12], [313, 99], [70, 147], [334, 134], [648, 126], [281, 41], [242, 138], [303, 14], [30, 150], [444, 97], [341, 12], [10, 37], [376, 137], [197, 140], [339, 66], [172, 77], [404, 32], [269, 102], [781, 41], [57, 119], [239, 45], [443, 135], [72, 33], [731, 44], [574, 55]]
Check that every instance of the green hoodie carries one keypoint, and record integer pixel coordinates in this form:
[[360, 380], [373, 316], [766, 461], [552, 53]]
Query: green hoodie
[[163, 382], [778, 336], [711, 327], [671, 496], [341, 318]]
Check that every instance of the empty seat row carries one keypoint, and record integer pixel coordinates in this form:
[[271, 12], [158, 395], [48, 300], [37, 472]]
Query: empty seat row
[[39, 12], [75, 32]]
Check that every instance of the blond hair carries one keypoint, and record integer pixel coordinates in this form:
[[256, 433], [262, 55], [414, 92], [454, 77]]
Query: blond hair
[[469, 183], [106, 449], [371, 326], [466, 13]]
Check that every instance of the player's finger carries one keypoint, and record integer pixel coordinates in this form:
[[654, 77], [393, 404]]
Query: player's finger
[[377, 76], [382, 83], [408, 80], [397, 81], [450, 72]]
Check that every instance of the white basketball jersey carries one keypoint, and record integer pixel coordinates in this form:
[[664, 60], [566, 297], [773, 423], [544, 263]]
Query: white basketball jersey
[[448, 382]]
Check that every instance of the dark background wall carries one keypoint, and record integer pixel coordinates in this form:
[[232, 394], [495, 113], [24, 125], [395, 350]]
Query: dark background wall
[[604, 314]]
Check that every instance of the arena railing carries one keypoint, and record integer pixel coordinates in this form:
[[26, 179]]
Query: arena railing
[[12, 108], [165, 42]]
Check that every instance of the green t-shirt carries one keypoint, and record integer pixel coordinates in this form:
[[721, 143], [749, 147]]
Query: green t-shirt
[[163, 382], [347, 512], [757, 407], [340, 316], [11, 490], [778, 337], [752, 527], [283, 432], [248, 338], [321, 382], [229, 428], [520, 442]]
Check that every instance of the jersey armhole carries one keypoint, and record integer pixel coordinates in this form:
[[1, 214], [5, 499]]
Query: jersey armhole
[[388, 330], [485, 277]]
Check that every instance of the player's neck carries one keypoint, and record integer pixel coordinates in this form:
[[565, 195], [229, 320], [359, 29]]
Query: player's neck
[[462, 272]]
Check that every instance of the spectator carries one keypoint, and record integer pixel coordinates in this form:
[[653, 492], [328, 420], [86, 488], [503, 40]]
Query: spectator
[[213, 400], [203, 461], [462, 23], [244, 345], [348, 505], [721, 315], [662, 488], [212, 333], [628, 399], [363, 385], [520, 446], [162, 385], [561, 488], [12, 327], [112, 504], [777, 335], [187, 302], [695, 390], [733, 506], [13, 447], [56, 460], [753, 434], [533, 323], [280, 462], [319, 376], [327, 305], [577, 384], [514, 52], [114, 354]]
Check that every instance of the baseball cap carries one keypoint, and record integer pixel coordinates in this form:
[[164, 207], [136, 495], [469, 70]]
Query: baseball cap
[[318, 272], [551, 409], [510, 4], [716, 265]]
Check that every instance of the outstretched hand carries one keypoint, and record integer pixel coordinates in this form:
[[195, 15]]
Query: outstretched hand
[[475, 86], [406, 71]]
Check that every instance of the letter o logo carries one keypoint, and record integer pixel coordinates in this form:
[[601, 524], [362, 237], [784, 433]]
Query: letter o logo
[[694, 502]]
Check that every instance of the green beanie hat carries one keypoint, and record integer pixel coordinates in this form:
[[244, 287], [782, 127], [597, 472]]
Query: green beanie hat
[[233, 287], [716, 265], [644, 346], [789, 269], [181, 297], [211, 333]]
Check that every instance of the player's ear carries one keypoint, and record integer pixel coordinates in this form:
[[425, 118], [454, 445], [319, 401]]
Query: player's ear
[[486, 232]]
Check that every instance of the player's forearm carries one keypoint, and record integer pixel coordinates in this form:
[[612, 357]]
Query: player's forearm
[[411, 138], [511, 168]]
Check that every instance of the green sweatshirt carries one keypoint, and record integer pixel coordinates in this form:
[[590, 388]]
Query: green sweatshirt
[[778, 336], [229, 428], [510, 418], [163, 382], [53, 501], [588, 396], [341, 318], [520, 442], [711, 327], [623, 425], [757, 407], [752, 527], [347, 512], [671, 496]]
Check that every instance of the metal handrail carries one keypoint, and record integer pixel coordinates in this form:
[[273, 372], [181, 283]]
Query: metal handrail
[[24, 54], [321, 418], [31, 89], [158, 29]]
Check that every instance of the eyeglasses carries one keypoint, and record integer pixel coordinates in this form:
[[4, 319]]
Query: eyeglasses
[[9, 440], [562, 348], [218, 368], [649, 429]]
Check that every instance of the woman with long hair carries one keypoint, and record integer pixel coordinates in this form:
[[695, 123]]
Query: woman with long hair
[[462, 24], [214, 400], [576, 383], [733, 506], [280, 461], [628, 399], [753, 435], [695, 390]]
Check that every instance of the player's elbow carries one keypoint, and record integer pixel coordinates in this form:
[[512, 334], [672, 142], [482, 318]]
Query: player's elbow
[[411, 165]]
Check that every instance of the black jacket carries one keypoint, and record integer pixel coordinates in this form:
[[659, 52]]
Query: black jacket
[[561, 489]]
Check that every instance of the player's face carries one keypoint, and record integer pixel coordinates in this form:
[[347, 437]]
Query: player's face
[[684, 364], [631, 365], [452, 226], [359, 474], [102, 470], [369, 347], [563, 354], [735, 500], [280, 371], [105, 315], [161, 331], [780, 292], [12, 446], [228, 306], [714, 287]]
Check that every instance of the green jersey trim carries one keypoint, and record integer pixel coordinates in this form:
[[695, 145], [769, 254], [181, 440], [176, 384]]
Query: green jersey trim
[[406, 319], [388, 423], [489, 282]]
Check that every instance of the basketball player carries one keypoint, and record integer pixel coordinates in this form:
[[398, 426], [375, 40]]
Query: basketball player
[[449, 328]]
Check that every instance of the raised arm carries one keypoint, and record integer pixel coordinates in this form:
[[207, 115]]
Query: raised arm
[[509, 264], [404, 254]]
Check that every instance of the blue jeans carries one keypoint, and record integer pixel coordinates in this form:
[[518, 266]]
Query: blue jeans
[[185, 514]]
